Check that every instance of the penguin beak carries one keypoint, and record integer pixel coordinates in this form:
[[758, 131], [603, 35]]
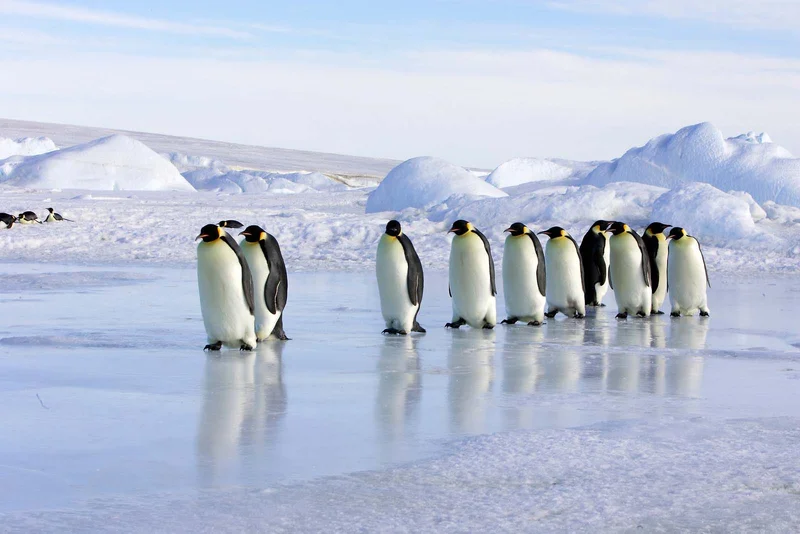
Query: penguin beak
[[244, 233], [543, 233], [201, 236], [507, 230], [451, 230]]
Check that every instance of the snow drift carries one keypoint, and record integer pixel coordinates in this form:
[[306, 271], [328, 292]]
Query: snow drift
[[116, 162], [25, 146], [525, 170], [425, 181], [699, 153]]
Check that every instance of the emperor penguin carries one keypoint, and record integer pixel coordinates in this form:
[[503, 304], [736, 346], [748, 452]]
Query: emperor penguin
[[472, 282], [565, 275], [595, 256], [657, 249], [630, 272], [52, 216], [524, 276], [230, 223], [226, 290], [7, 219], [270, 282], [28, 217], [687, 275], [400, 281]]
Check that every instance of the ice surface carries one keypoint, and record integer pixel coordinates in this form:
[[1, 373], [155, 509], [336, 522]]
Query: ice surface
[[524, 170], [700, 153], [25, 146], [115, 163], [580, 426], [425, 181]]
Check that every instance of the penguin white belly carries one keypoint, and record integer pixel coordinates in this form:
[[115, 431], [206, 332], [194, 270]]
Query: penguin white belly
[[601, 289], [226, 315], [25, 221], [392, 271], [564, 285], [523, 299], [50, 218], [259, 268], [630, 291], [687, 277], [470, 282], [660, 293]]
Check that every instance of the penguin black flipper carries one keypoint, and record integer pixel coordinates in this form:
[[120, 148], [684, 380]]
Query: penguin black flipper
[[276, 289], [491, 260], [247, 277], [578, 252], [651, 243], [646, 271], [541, 274], [708, 281], [415, 278]]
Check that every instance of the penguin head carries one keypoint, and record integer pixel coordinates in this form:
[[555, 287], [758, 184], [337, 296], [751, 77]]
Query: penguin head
[[554, 232], [393, 228], [600, 226], [517, 229], [617, 228], [677, 233], [461, 227], [50, 210], [655, 228], [209, 233], [254, 234]]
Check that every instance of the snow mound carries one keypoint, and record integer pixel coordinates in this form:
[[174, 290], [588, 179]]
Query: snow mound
[[706, 212], [115, 163], [700, 153], [25, 146], [756, 211], [231, 181], [425, 181], [524, 170]]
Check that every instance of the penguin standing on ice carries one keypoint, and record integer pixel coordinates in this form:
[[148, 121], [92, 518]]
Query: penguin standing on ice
[[28, 217], [52, 216], [657, 249], [595, 256], [400, 281], [472, 282], [687, 275], [630, 272], [226, 290], [524, 277], [230, 223], [7, 219], [270, 282], [565, 275]]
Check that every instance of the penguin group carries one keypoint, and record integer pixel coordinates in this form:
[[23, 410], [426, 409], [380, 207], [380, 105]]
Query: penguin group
[[243, 286], [30, 217], [539, 282]]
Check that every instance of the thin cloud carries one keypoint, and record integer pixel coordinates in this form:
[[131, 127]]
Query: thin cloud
[[106, 18]]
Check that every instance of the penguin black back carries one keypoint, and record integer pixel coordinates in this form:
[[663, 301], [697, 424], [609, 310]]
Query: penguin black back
[[415, 278], [230, 223], [276, 289], [7, 219], [651, 244], [592, 250]]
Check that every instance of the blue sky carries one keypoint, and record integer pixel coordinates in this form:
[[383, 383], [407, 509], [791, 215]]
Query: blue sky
[[475, 82]]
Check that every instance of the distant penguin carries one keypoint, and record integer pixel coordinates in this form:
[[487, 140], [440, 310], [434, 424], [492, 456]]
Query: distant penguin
[[226, 290], [657, 249], [564, 275], [230, 223], [270, 282], [524, 277], [595, 255], [52, 216], [7, 219], [630, 272], [687, 275], [472, 281], [400, 281], [28, 217]]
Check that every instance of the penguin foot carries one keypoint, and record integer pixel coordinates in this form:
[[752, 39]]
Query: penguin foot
[[579, 316], [657, 312], [245, 347], [622, 315], [394, 332], [641, 314], [488, 326], [704, 314], [456, 324], [535, 323], [278, 332], [510, 320], [551, 314], [418, 328], [675, 314], [602, 305], [213, 346]]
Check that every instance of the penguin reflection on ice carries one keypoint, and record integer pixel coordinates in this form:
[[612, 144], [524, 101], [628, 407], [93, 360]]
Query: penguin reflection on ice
[[470, 363], [244, 400], [399, 388]]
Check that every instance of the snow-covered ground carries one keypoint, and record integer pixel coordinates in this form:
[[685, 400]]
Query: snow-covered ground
[[114, 419]]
